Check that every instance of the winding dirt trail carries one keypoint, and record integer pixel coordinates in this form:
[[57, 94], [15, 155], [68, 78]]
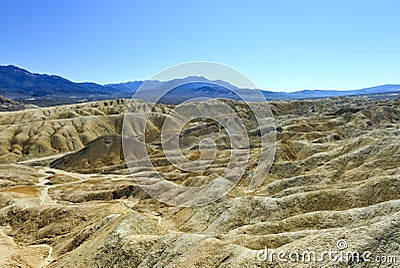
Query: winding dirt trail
[[49, 257], [45, 198]]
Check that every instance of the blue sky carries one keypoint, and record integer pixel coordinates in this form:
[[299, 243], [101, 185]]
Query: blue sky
[[280, 45]]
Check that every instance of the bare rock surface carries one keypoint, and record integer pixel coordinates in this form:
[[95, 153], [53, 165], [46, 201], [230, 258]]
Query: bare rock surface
[[335, 181]]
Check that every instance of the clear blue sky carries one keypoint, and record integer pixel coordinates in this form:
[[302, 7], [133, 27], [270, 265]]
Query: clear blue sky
[[280, 45]]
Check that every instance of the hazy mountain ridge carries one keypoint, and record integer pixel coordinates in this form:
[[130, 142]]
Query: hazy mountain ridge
[[44, 90]]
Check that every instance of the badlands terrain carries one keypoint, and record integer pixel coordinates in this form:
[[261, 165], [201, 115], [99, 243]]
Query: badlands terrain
[[67, 198]]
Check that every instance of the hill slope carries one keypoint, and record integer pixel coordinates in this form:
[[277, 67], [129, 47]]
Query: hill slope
[[7, 104]]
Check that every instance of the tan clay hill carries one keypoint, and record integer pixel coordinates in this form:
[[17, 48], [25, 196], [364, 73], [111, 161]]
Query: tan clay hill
[[10, 105], [68, 200]]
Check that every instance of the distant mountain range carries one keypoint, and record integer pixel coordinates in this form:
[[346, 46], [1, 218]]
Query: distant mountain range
[[42, 89]]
